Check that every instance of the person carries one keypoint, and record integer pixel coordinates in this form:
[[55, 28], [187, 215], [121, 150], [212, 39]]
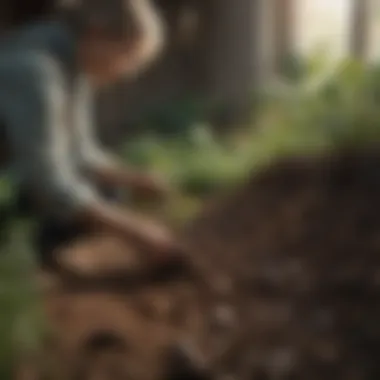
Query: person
[[49, 71]]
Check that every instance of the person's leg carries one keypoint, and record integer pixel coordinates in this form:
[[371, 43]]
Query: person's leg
[[53, 233]]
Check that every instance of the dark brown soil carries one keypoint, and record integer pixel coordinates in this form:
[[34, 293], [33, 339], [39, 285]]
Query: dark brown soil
[[287, 287], [296, 255]]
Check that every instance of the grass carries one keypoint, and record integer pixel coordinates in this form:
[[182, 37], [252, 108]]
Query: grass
[[21, 321]]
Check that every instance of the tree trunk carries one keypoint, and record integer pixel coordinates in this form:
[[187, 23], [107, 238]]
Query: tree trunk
[[231, 56], [283, 31], [359, 33]]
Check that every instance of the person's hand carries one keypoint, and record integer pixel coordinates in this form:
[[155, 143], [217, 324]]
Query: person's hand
[[155, 241], [151, 187], [158, 241], [166, 255]]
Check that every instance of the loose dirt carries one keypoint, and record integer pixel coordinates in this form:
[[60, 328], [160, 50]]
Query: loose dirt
[[285, 285]]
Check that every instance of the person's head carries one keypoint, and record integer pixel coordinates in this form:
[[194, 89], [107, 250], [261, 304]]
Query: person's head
[[116, 37]]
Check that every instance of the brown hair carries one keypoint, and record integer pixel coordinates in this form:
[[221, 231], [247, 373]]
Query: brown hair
[[121, 19], [135, 21]]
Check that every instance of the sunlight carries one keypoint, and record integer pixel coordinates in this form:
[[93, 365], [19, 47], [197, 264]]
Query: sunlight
[[323, 23]]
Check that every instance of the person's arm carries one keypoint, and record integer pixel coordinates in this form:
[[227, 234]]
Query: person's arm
[[100, 164], [37, 115]]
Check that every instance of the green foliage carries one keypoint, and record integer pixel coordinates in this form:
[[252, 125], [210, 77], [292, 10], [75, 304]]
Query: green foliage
[[327, 108], [342, 111], [175, 117], [196, 162], [21, 321]]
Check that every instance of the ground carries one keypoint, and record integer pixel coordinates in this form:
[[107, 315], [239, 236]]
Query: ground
[[283, 283], [110, 325]]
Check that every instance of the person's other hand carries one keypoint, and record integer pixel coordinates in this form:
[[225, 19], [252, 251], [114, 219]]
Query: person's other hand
[[158, 240]]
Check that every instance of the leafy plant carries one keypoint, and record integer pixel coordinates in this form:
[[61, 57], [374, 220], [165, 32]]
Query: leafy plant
[[330, 108]]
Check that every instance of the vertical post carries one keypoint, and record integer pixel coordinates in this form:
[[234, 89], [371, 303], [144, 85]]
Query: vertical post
[[359, 33], [283, 31], [231, 55]]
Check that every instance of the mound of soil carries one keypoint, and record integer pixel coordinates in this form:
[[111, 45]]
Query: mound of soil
[[294, 256], [287, 287]]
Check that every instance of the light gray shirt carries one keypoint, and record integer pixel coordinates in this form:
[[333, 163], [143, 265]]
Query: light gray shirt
[[46, 105]]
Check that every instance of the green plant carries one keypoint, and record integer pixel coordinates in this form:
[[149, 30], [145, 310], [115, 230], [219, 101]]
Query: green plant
[[331, 108], [21, 320]]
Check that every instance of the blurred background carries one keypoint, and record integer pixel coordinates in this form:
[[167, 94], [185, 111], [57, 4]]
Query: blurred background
[[239, 83], [219, 56]]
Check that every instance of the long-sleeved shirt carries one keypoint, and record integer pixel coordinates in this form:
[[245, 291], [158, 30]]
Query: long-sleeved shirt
[[46, 106]]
